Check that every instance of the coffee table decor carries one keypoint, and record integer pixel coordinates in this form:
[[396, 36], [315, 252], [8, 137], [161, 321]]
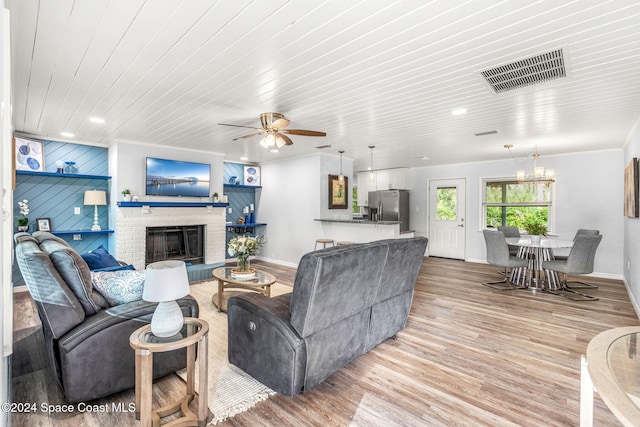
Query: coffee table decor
[[242, 248]]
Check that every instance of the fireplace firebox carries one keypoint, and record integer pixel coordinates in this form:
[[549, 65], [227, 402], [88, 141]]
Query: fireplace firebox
[[182, 243]]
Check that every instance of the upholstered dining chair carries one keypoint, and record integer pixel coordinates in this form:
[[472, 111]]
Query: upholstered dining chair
[[510, 231], [580, 261], [498, 254], [574, 283]]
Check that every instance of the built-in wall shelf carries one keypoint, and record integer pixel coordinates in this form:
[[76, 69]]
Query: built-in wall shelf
[[172, 204], [70, 232], [241, 186], [62, 175]]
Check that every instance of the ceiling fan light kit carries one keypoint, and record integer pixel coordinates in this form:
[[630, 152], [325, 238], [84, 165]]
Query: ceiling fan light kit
[[273, 131]]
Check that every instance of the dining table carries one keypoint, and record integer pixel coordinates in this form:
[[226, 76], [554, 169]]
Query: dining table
[[536, 251]]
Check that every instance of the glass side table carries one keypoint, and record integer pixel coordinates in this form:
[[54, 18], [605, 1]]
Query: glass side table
[[613, 363], [194, 332], [260, 283]]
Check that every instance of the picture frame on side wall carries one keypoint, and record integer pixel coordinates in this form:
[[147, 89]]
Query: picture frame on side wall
[[252, 175], [43, 224], [338, 194], [29, 155], [631, 189]]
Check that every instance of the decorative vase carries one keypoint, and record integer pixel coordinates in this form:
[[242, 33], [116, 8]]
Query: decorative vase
[[243, 271], [535, 238], [127, 197]]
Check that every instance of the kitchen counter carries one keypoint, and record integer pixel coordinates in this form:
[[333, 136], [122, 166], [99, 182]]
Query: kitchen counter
[[361, 230]]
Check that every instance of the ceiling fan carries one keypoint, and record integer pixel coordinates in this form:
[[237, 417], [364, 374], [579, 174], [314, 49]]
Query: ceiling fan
[[273, 131]]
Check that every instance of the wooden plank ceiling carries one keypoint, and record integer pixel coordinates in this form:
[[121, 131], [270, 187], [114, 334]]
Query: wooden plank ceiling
[[383, 73]]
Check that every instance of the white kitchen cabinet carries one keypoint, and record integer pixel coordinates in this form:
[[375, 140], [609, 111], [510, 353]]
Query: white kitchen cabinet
[[398, 179], [383, 179], [363, 188]]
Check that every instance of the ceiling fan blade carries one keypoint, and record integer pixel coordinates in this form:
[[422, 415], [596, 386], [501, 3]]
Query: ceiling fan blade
[[248, 136], [239, 126], [287, 140], [303, 132]]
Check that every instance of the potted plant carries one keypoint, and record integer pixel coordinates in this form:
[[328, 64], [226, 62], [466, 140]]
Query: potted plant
[[215, 197], [535, 229], [23, 222], [126, 193]]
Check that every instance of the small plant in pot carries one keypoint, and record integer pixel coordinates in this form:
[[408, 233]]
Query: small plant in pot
[[215, 197], [535, 229], [126, 193]]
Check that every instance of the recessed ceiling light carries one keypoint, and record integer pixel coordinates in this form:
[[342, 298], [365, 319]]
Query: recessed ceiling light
[[459, 111], [67, 134], [274, 150], [244, 159], [423, 157], [97, 120]]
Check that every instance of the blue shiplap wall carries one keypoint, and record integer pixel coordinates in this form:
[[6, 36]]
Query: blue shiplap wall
[[239, 197], [55, 197]]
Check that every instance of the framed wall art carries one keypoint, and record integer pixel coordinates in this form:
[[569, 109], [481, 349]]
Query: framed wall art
[[338, 193], [29, 155], [252, 175], [631, 189], [43, 224]]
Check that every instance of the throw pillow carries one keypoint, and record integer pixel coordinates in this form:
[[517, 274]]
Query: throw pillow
[[117, 268], [119, 287], [100, 258]]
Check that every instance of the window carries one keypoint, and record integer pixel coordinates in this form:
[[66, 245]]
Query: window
[[515, 203], [447, 200]]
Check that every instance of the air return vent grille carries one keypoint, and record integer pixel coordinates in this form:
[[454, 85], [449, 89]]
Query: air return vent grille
[[526, 72]]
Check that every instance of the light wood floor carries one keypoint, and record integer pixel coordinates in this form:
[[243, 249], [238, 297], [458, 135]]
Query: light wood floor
[[469, 356]]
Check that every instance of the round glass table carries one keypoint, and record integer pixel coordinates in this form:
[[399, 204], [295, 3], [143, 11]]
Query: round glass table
[[613, 362], [260, 283]]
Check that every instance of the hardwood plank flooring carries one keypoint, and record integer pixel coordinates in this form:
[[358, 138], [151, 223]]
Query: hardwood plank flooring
[[469, 356]]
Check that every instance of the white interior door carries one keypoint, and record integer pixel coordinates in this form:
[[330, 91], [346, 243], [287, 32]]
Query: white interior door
[[447, 218]]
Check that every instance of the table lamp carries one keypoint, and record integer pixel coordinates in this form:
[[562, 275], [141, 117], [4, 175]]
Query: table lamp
[[165, 282], [95, 198]]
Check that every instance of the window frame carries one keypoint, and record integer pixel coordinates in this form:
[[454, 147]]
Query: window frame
[[551, 205]]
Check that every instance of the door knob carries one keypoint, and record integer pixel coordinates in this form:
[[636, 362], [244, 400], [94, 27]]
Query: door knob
[[460, 225]]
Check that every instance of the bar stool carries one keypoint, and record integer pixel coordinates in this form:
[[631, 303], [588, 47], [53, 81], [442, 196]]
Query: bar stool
[[324, 242], [345, 243]]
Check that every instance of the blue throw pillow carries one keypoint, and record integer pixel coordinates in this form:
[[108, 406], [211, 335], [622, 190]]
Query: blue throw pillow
[[100, 258], [115, 268]]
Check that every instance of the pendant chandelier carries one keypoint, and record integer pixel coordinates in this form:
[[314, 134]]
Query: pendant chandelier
[[341, 176], [538, 173], [371, 173]]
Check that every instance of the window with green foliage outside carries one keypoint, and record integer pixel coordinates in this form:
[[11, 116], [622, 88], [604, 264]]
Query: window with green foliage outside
[[354, 201], [446, 199], [516, 203]]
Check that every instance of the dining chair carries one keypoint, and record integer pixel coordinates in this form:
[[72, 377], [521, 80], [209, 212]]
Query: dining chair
[[580, 285], [510, 231], [580, 261], [498, 254]]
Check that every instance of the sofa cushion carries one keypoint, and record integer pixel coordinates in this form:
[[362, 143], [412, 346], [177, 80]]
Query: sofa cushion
[[119, 287], [75, 272], [100, 258], [115, 268]]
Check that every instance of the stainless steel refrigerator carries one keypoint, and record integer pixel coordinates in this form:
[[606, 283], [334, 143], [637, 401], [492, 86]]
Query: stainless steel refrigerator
[[390, 205]]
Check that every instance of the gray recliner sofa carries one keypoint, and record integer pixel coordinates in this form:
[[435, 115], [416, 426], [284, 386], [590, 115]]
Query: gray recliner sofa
[[345, 301], [87, 340]]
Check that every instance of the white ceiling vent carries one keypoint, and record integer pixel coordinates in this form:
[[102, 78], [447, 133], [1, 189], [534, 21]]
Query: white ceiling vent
[[526, 72]]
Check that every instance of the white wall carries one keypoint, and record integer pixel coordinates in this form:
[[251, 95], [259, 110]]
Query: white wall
[[6, 231], [631, 256], [294, 193], [589, 194], [127, 167]]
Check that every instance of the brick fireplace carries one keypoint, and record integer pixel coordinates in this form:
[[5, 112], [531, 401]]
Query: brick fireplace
[[132, 224]]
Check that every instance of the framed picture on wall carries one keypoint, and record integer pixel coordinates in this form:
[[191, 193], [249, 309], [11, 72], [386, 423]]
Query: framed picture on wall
[[252, 175], [43, 224], [338, 193], [631, 189], [29, 155]]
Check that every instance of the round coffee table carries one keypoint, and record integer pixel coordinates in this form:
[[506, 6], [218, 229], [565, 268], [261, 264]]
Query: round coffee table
[[261, 283]]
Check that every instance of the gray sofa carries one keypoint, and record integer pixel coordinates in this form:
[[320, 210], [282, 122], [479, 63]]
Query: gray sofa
[[87, 340], [345, 301]]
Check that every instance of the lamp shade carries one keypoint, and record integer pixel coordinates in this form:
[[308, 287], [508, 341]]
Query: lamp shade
[[165, 281], [95, 197]]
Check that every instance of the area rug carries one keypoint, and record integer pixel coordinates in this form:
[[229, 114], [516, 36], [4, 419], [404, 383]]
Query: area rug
[[231, 390]]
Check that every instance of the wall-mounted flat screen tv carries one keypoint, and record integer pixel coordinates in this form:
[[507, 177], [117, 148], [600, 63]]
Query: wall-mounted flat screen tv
[[176, 178]]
